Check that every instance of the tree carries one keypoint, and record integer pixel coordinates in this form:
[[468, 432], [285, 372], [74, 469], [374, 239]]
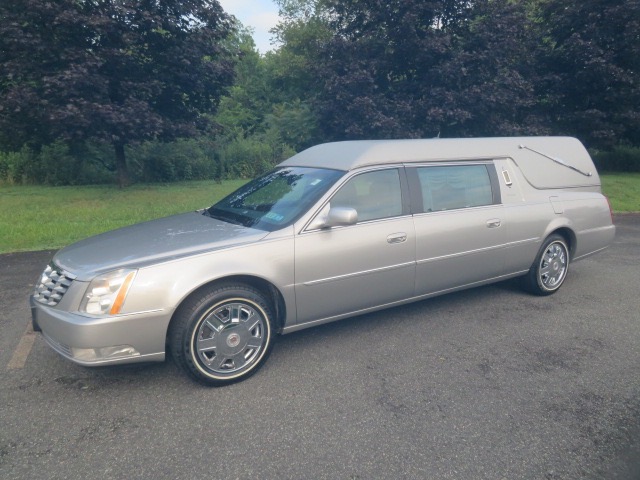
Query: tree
[[593, 66], [248, 100], [119, 71], [490, 83], [378, 66], [409, 68], [302, 32], [264, 105]]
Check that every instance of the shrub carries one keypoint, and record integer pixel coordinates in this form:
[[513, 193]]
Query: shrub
[[55, 164], [169, 162], [620, 159], [15, 165], [251, 156], [190, 159]]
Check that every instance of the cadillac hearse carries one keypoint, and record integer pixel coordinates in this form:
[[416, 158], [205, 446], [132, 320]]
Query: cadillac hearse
[[338, 230]]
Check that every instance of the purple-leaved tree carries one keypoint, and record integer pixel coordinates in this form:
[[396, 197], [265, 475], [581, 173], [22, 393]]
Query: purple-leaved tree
[[117, 71]]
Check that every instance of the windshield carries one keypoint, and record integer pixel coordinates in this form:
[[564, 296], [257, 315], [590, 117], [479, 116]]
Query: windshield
[[276, 199]]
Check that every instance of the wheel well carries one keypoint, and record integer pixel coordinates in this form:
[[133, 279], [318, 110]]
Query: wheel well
[[569, 237], [270, 292]]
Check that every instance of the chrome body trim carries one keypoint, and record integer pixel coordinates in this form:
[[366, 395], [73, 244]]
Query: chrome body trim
[[358, 274], [478, 250], [321, 321]]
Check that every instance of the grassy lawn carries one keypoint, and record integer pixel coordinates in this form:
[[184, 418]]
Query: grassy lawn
[[40, 218], [623, 190]]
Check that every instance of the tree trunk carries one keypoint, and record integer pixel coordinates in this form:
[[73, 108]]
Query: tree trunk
[[121, 166]]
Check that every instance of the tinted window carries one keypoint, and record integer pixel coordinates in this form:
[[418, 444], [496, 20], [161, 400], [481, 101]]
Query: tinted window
[[276, 199], [373, 195], [455, 186]]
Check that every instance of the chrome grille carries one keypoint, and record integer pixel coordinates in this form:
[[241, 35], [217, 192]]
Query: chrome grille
[[52, 286]]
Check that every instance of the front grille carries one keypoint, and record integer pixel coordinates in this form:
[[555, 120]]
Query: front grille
[[52, 286]]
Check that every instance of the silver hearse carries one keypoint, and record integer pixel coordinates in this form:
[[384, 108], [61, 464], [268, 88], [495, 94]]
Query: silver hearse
[[337, 230]]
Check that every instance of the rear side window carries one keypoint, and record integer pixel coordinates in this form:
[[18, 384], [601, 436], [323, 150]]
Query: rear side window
[[454, 186]]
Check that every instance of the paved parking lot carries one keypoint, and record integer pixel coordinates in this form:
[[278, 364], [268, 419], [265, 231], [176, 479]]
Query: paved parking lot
[[490, 383]]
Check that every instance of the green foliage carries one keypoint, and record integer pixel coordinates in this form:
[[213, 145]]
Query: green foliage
[[54, 164], [620, 159], [302, 32], [260, 123], [591, 64], [187, 159], [406, 68], [345, 69], [250, 157], [120, 72], [292, 123], [488, 84], [16, 166], [409, 68], [92, 163]]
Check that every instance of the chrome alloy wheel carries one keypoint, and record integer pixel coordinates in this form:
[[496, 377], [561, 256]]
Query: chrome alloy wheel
[[231, 338], [553, 266]]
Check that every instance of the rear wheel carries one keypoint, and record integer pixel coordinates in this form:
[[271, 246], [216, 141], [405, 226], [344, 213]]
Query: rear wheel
[[549, 270], [223, 335]]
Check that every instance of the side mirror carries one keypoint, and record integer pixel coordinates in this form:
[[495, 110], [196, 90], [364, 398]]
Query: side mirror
[[340, 217]]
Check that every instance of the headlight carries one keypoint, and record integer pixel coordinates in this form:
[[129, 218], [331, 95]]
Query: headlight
[[106, 293]]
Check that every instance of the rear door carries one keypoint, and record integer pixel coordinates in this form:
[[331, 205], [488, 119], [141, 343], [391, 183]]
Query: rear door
[[459, 221]]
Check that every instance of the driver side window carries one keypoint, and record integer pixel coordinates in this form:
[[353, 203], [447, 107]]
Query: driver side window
[[374, 195]]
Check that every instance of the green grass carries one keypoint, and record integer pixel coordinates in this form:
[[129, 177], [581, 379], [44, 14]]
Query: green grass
[[623, 190], [40, 218]]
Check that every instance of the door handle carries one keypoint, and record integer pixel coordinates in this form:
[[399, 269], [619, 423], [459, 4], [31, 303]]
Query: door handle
[[397, 238], [493, 223]]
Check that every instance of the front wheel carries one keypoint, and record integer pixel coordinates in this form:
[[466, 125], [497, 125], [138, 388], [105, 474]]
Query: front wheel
[[549, 270], [223, 335]]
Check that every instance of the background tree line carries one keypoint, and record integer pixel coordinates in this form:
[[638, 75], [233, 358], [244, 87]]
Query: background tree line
[[159, 90]]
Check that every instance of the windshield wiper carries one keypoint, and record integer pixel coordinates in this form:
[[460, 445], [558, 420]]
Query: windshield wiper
[[223, 218]]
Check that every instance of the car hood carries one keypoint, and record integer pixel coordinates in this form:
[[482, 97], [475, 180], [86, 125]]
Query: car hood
[[152, 242]]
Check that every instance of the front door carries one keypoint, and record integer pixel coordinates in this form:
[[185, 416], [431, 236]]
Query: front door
[[344, 270]]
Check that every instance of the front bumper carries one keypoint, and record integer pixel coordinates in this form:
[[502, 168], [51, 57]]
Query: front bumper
[[88, 341]]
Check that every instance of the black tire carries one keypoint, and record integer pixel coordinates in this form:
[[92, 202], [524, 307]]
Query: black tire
[[550, 268], [222, 335]]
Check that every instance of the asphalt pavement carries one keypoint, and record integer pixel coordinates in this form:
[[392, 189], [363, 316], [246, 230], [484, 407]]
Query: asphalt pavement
[[489, 383]]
